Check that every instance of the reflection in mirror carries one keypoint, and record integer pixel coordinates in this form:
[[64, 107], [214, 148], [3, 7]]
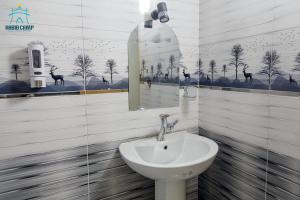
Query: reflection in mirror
[[154, 63]]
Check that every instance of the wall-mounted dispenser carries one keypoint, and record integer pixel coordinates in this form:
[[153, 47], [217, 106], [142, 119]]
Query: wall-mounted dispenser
[[37, 65]]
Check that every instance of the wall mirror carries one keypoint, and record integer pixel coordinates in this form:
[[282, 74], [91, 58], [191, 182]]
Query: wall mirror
[[154, 59]]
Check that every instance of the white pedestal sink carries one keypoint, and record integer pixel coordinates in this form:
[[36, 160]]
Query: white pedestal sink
[[170, 162]]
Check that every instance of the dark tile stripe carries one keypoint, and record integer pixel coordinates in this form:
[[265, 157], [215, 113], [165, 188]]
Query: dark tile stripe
[[63, 174], [239, 172]]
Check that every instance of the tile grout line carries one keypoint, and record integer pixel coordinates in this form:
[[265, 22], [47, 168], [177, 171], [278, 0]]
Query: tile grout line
[[267, 148], [269, 110], [85, 102]]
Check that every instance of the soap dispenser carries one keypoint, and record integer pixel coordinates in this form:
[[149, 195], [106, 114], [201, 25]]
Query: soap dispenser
[[37, 65]]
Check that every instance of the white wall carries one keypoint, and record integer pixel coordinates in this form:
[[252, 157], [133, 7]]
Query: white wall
[[101, 30], [259, 26], [98, 28], [269, 121], [265, 120], [40, 124]]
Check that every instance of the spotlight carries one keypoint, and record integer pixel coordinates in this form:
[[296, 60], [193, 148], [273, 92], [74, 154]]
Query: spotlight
[[162, 12], [154, 15]]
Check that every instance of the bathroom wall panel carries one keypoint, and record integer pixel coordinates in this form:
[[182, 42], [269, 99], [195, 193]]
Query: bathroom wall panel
[[271, 121], [226, 23], [284, 110], [112, 45], [284, 141], [254, 146], [239, 122], [111, 35], [239, 171], [235, 114], [58, 26], [103, 115], [106, 34], [62, 53], [48, 12], [107, 115], [253, 48], [62, 119], [232, 20], [192, 189], [283, 177], [284, 147], [42, 124], [116, 179], [53, 158], [109, 119], [47, 31], [50, 21], [49, 175], [43, 146], [62, 174], [34, 125]]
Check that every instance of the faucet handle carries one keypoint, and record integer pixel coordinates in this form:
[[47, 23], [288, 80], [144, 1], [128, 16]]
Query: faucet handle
[[170, 126], [175, 122]]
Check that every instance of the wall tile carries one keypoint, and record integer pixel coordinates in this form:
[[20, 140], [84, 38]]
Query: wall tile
[[45, 140]]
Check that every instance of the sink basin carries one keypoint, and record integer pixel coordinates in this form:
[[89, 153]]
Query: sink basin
[[170, 162]]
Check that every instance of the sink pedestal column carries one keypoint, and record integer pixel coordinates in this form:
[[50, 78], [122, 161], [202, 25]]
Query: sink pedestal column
[[170, 190]]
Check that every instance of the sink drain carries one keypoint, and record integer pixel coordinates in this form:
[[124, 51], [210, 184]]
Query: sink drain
[[165, 147]]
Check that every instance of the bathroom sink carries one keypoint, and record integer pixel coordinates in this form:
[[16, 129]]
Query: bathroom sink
[[170, 162], [180, 156]]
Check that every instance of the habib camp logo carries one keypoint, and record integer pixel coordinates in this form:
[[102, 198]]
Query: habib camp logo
[[19, 19]]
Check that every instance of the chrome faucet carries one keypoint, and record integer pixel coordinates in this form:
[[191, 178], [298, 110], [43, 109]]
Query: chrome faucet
[[165, 126]]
